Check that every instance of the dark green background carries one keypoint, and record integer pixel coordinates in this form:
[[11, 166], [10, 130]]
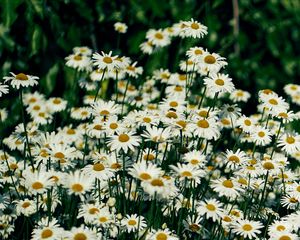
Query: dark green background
[[36, 35]]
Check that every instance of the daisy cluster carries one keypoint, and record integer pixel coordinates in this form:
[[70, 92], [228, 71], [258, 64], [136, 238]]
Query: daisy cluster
[[165, 156]]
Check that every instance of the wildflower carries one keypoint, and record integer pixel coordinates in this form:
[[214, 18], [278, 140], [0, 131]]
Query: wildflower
[[26, 207], [218, 83], [105, 61], [79, 62], [159, 234], [51, 231], [211, 208], [289, 143], [158, 38], [120, 27], [235, 159], [212, 62], [239, 95], [226, 187], [82, 51], [133, 223], [144, 171], [3, 89], [206, 128], [78, 183], [188, 172], [81, 232], [123, 141], [247, 228], [21, 80], [261, 136], [193, 29]]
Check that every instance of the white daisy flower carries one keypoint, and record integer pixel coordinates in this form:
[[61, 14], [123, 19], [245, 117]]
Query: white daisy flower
[[21, 80]]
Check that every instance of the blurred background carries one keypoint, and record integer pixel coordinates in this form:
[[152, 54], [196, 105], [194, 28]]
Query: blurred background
[[259, 38]]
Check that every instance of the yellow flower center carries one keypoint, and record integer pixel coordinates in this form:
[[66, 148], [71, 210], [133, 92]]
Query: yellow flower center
[[157, 183], [247, 122], [234, 158], [97, 127], [194, 227], [181, 123], [210, 207], [77, 58], [195, 26], [113, 126], [268, 165], [219, 82], [171, 115], [77, 187], [46, 233], [161, 236], [145, 176], [173, 104], [158, 36], [283, 115], [298, 189], [203, 113], [194, 161], [186, 174], [290, 140], [59, 155], [80, 236], [56, 101], [247, 227], [261, 134], [280, 228], [132, 222], [210, 59], [107, 60], [149, 157], [285, 237], [22, 77], [37, 185], [104, 113], [115, 166], [93, 211], [198, 52], [103, 219], [178, 89], [273, 101], [26, 204], [98, 167], [226, 219], [123, 137], [203, 123], [71, 131], [228, 184]]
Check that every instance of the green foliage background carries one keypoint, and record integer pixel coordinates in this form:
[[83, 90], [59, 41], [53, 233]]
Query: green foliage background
[[36, 35]]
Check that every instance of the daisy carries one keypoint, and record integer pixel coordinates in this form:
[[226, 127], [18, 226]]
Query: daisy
[[162, 75], [195, 53], [3, 114], [37, 181], [120, 27], [147, 47], [89, 211], [26, 207], [289, 202], [246, 123], [206, 128], [211, 208], [261, 136], [133, 223], [239, 95], [186, 171], [145, 171], [278, 227], [247, 228], [51, 231], [284, 236], [123, 141], [56, 104], [212, 62], [78, 183], [158, 38], [79, 62], [104, 218], [290, 143], [105, 109], [98, 171], [218, 83], [193, 29], [273, 102], [195, 158], [156, 134], [21, 80], [105, 61], [160, 234], [81, 232], [133, 71], [3, 89], [235, 159], [291, 89], [226, 187]]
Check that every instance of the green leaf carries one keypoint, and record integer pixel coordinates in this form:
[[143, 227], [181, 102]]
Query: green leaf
[[36, 41], [38, 7], [9, 11], [50, 79]]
